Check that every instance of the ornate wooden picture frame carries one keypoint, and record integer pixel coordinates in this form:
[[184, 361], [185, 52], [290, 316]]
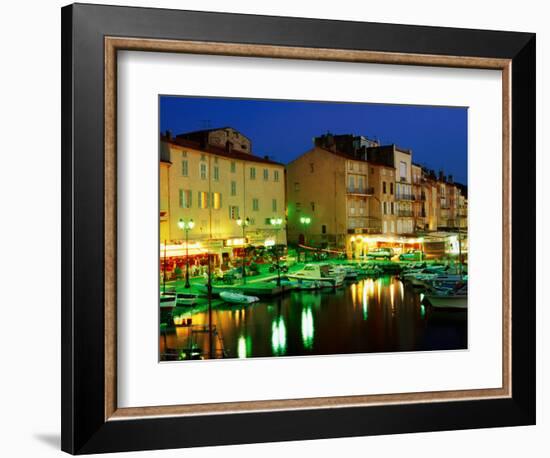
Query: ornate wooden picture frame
[[92, 36]]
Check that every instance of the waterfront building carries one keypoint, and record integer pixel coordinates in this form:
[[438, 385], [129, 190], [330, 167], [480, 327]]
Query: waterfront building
[[334, 191], [401, 201], [419, 199], [213, 178]]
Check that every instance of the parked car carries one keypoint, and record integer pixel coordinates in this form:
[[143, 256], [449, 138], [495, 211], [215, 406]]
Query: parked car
[[381, 253], [412, 255]]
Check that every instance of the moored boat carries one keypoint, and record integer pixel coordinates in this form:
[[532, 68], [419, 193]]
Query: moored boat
[[187, 299], [167, 301], [450, 299], [237, 298], [322, 273]]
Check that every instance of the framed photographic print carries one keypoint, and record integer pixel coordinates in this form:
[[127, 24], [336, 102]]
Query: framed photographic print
[[282, 228]]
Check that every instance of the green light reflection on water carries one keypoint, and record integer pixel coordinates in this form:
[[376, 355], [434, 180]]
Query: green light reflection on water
[[365, 304], [278, 336], [307, 328]]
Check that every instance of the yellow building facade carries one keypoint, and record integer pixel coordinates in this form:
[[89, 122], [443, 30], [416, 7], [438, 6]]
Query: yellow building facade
[[214, 188]]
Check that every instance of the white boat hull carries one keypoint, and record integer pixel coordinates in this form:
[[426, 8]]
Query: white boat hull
[[448, 302]]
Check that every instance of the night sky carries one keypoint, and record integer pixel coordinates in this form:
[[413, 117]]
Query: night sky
[[285, 129]]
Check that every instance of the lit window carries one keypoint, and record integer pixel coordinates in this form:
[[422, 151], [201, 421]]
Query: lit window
[[203, 199], [216, 200]]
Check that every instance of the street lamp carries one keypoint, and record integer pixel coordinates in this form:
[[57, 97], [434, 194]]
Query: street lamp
[[186, 226], [305, 220], [276, 223], [243, 223]]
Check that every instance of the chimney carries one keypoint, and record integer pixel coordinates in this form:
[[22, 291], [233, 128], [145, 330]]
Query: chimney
[[441, 176], [168, 134], [450, 178]]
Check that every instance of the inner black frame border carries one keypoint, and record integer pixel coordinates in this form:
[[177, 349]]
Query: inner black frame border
[[84, 429]]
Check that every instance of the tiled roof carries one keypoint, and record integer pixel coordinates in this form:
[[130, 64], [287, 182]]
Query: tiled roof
[[210, 149]]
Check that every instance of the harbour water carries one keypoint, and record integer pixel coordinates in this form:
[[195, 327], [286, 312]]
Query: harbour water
[[368, 315]]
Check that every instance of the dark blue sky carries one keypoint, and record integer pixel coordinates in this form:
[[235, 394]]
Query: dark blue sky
[[285, 129]]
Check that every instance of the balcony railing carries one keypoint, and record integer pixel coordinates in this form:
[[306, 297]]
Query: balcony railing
[[404, 213], [366, 225], [405, 197], [363, 191]]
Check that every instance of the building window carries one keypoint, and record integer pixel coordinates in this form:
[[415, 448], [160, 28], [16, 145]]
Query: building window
[[252, 173], [296, 187], [311, 167], [203, 171], [324, 229], [203, 157], [351, 166], [274, 205], [351, 183], [255, 205], [184, 154], [372, 170], [185, 168], [203, 199], [361, 181], [384, 187], [385, 208], [185, 197], [233, 212], [391, 188], [233, 167], [403, 169], [312, 206], [276, 175], [233, 188], [216, 173], [392, 209], [266, 174], [216, 200], [298, 207]]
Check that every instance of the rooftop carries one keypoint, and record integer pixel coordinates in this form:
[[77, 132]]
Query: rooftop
[[218, 151]]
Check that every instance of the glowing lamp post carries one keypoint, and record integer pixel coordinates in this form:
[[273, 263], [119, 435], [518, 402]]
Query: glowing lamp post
[[305, 221], [186, 226], [276, 223], [243, 223]]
